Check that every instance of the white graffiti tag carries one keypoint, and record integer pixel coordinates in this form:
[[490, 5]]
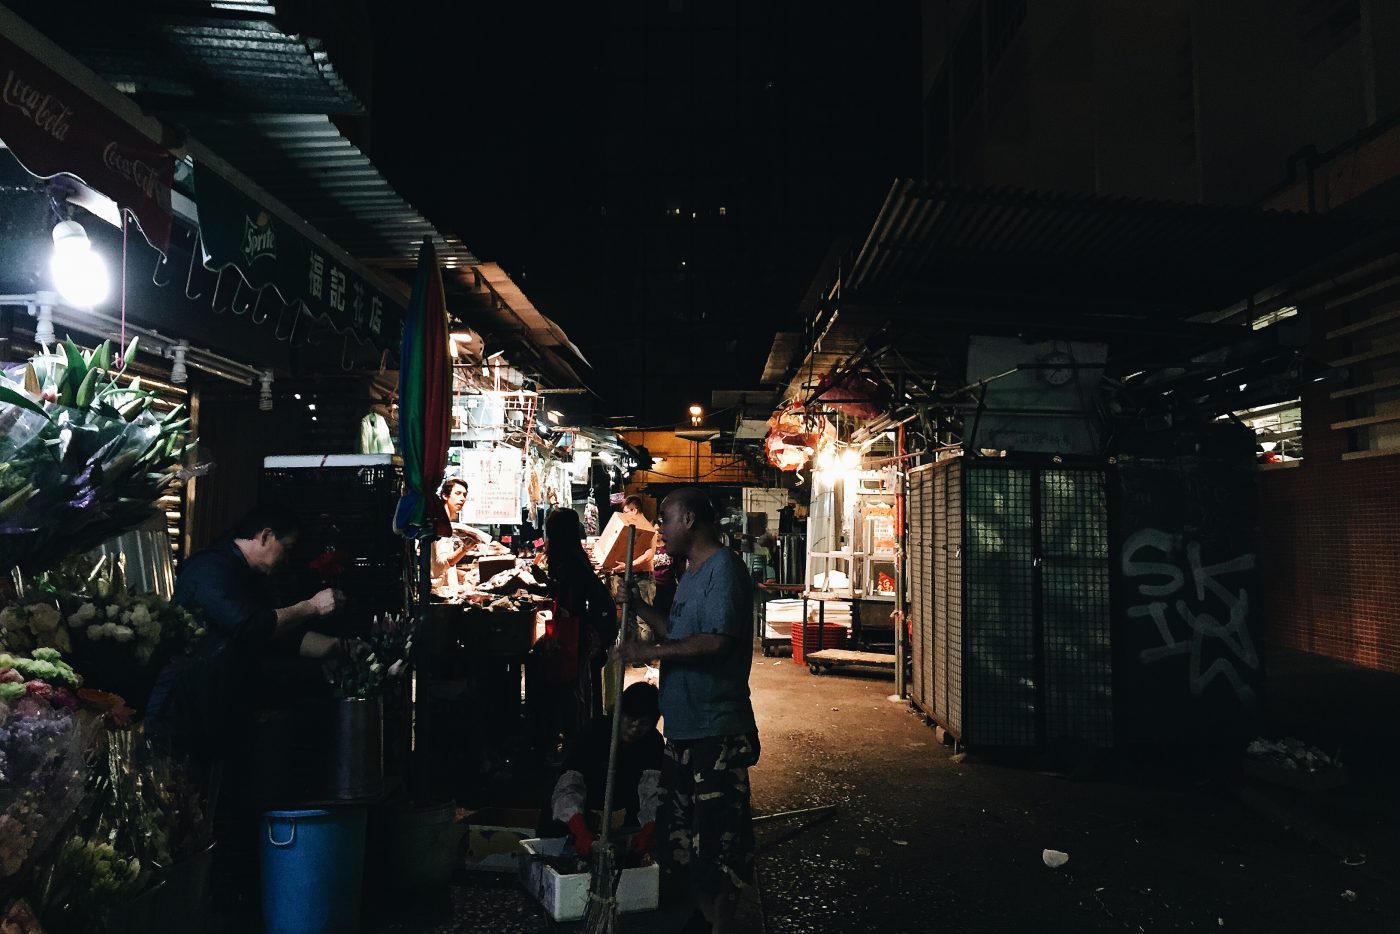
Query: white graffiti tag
[[1196, 616]]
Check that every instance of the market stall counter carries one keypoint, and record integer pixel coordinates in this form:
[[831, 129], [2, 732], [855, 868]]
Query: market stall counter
[[472, 651]]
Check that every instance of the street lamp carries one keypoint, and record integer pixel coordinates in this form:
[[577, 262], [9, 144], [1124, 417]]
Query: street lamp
[[698, 433], [697, 414]]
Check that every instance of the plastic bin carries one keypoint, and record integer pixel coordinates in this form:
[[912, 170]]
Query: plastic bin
[[312, 870]]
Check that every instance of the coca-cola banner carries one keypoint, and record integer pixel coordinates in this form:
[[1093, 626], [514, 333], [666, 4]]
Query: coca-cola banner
[[53, 128], [269, 252]]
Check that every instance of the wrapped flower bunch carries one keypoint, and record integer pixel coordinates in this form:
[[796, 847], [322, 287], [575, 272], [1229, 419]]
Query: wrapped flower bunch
[[41, 751], [83, 454], [366, 664]]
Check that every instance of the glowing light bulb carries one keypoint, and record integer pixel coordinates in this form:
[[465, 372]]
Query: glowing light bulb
[[79, 274]]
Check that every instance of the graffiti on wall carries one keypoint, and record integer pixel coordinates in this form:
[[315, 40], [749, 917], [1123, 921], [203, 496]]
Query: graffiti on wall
[[1195, 610]]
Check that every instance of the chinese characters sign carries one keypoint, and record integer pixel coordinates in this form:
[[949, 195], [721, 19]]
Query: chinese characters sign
[[269, 252], [493, 486]]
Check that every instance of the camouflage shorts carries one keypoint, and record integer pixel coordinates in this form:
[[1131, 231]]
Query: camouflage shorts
[[704, 814]]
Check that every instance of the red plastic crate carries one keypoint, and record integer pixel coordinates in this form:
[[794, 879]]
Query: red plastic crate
[[825, 636]]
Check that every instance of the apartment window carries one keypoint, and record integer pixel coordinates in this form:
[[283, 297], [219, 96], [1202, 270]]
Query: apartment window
[[1368, 348]]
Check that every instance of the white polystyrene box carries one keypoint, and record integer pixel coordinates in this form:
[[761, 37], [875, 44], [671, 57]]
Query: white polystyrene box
[[565, 897]]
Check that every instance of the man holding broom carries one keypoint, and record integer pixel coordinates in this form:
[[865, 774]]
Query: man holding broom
[[711, 737]]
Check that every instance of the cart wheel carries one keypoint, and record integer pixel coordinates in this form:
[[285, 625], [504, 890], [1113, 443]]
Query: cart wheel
[[814, 668], [767, 651]]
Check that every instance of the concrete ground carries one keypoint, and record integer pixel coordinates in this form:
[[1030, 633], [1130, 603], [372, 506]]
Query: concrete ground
[[925, 840]]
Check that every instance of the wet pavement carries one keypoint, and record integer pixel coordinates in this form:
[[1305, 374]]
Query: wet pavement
[[925, 840]]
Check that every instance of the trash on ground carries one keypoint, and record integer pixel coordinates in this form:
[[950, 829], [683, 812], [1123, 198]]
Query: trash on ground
[[1358, 859], [862, 851], [1054, 858], [1349, 895]]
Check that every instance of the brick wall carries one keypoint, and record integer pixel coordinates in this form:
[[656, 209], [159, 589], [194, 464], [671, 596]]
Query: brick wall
[[1329, 548]]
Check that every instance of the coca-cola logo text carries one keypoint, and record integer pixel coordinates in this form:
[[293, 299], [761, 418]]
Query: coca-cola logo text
[[131, 168], [45, 111]]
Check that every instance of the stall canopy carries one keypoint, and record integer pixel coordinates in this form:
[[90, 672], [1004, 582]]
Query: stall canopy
[[54, 128], [943, 262], [268, 252]]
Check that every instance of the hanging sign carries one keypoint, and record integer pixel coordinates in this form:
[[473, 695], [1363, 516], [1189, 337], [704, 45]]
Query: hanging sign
[[267, 251], [54, 128], [493, 477]]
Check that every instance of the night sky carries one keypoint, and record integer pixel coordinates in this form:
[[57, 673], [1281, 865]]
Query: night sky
[[662, 178]]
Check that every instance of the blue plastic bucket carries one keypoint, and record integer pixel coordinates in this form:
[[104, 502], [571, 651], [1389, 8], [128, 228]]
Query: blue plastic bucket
[[312, 867]]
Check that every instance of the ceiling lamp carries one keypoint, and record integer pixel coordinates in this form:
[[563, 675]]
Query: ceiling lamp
[[78, 273]]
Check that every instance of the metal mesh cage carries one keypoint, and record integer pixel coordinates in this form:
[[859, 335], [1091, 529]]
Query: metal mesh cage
[[998, 557], [1074, 582]]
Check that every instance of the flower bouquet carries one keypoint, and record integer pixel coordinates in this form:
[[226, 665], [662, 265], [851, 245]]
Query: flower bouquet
[[367, 664], [42, 743], [115, 636], [82, 456]]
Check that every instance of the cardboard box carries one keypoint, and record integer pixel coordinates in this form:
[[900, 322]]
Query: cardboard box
[[494, 835], [565, 897], [612, 544], [491, 565]]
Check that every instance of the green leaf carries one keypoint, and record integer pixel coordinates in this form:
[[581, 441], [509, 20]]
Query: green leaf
[[24, 402], [130, 355]]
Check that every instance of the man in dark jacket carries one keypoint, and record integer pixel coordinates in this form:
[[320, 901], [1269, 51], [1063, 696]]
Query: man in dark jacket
[[198, 700]]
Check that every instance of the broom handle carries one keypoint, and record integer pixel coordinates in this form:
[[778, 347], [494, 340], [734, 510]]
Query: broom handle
[[622, 633]]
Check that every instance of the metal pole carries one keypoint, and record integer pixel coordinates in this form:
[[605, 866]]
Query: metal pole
[[901, 530], [622, 632]]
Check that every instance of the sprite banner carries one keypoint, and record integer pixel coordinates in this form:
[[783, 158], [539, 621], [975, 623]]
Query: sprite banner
[[237, 231]]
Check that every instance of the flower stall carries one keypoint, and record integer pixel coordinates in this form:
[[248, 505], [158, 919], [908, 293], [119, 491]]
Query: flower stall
[[94, 824]]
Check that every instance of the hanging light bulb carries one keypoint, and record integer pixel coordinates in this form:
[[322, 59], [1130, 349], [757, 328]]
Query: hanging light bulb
[[78, 273], [826, 460], [265, 394], [178, 373], [850, 459]]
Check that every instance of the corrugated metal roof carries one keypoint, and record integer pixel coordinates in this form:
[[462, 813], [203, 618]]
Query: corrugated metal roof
[[303, 160], [933, 241], [942, 262], [236, 75], [178, 55]]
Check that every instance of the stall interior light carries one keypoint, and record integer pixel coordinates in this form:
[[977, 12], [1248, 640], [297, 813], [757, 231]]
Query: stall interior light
[[850, 459], [78, 273]]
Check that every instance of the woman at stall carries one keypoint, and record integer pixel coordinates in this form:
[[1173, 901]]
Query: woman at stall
[[565, 666], [448, 551]]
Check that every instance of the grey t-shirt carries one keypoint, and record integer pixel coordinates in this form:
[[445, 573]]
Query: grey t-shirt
[[708, 697]]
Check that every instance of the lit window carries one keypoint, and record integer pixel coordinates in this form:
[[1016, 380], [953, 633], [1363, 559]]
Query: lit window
[[723, 210]]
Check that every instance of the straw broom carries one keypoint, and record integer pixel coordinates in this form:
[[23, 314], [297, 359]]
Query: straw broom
[[604, 872]]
